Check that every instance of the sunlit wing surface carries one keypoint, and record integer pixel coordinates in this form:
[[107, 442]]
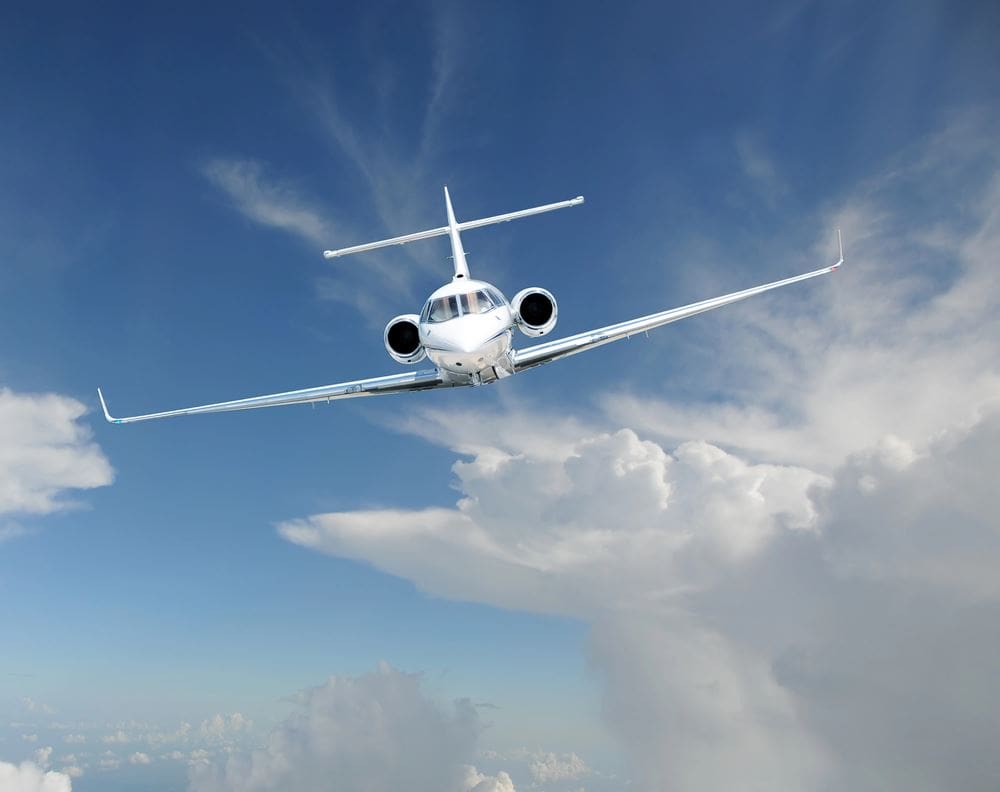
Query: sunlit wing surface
[[376, 386], [571, 345]]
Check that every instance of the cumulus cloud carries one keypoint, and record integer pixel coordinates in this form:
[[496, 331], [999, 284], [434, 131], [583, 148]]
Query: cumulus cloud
[[29, 777], [796, 586], [44, 452], [30, 705], [376, 732], [222, 728], [139, 758], [474, 781], [42, 756], [551, 767]]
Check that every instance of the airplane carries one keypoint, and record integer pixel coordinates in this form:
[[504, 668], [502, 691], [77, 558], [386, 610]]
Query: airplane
[[466, 328]]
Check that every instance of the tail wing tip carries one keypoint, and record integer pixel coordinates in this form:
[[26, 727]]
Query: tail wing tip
[[104, 406]]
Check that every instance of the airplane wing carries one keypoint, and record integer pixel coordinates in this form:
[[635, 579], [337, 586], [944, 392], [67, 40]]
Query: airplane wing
[[571, 345], [376, 386]]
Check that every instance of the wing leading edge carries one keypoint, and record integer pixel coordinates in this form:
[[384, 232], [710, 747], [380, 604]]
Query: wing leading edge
[[376, 386], [581, 342]]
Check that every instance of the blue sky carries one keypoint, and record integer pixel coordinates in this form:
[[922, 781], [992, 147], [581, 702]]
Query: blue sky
[[167, 184]]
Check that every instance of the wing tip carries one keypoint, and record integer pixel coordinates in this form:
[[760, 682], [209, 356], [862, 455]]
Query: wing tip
[[104, 406]]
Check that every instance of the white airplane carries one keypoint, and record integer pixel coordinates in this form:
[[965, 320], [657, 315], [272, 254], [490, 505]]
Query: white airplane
[[467, 326]]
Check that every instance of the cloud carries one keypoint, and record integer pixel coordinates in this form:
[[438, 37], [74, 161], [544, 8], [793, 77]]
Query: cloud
[[222, 728], [474, 781], [268, 201], [42, 756], [30, 705], [76, 739], [546, 533], [376, 732], [109, 761], [28, 777], [44, 451], [550, 767], [139, 758], [902, 340], [389, 181], [797, 585]]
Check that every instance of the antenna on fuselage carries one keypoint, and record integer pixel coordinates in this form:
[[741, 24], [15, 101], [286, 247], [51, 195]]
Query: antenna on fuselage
[[452, 229], [457, 251]]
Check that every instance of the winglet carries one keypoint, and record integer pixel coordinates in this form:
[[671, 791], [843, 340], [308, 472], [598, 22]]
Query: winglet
[[840, 247], [104, 407]]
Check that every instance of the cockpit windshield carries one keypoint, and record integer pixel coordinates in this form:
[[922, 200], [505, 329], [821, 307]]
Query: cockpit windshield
[[478, 302], [442, 309]]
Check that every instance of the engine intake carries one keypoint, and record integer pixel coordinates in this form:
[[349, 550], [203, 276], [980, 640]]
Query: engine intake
[[402, 339], [535, 311]]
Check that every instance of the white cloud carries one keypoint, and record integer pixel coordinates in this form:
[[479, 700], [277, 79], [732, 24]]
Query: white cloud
[[474, 781], [36, 706], [799, 587], [42, 756], [222, 728], [29, 737], [119, 736], [139, 758], [73, 771], [76, 739], [267, 201], [181, 734], [28, 777], [378, 731], [548, 533], [109, 761], [44, 451], [551, 767]]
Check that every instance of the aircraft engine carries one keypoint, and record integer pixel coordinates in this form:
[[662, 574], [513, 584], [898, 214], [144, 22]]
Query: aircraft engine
[[402, 339], [535, 311]]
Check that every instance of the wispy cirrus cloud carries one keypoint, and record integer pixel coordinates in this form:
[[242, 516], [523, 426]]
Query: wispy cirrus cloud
[[268, 201], [398, 178]]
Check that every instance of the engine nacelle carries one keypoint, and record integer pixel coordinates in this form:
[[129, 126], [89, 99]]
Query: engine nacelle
[[535, 311], [402, 339]]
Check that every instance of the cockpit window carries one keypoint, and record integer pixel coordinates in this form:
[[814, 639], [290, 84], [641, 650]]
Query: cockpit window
[[477, 302], [442, 309]]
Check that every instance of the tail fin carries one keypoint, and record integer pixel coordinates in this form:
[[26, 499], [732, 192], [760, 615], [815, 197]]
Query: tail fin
[[457, 251]]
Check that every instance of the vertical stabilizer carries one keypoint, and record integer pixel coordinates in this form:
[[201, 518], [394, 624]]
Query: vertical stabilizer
[[457, 251]]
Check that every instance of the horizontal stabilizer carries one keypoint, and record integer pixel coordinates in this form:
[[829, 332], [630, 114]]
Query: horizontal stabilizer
[[433, 232]]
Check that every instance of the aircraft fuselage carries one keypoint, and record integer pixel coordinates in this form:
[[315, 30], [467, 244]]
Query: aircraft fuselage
[[466, 328]]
